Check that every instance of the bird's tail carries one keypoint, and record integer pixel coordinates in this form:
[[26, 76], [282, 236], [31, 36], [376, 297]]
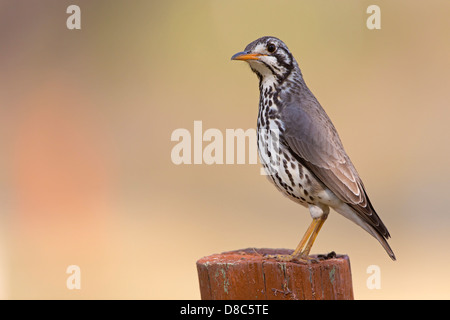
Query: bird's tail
[[383, 242], [348, 212]]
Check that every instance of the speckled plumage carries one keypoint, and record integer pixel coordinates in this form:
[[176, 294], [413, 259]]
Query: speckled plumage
[[299, 146]]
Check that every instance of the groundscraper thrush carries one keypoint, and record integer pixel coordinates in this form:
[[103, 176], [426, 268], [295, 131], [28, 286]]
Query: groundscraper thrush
[[300, 148]]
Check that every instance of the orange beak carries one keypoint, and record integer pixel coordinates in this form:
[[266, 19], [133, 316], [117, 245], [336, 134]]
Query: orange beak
[[244, 56]]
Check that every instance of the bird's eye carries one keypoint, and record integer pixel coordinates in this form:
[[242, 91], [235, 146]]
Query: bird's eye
[[271, 48]]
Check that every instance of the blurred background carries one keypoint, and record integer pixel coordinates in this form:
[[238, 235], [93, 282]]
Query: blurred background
[[86, 117]]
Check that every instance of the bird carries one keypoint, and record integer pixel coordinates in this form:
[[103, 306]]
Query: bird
[[300, 149]]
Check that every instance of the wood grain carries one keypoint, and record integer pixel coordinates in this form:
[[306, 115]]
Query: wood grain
[[248, 275]]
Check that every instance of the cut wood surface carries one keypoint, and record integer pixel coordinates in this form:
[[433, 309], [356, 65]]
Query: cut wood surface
[[248, 275]]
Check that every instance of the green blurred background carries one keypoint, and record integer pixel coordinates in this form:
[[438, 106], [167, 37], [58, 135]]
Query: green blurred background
[[86, 117]]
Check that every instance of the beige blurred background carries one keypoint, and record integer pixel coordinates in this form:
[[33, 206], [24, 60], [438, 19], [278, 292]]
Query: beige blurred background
[[86, 117]]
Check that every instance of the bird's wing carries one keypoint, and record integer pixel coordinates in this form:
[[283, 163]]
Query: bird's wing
[[312, 137]]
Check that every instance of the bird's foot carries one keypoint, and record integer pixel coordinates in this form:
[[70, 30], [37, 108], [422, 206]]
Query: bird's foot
[[292, 258]]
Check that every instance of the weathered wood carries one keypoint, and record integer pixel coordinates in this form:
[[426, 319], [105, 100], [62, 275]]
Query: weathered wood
[[247, 275]]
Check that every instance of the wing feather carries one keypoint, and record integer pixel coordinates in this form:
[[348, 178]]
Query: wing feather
[[310, 134]]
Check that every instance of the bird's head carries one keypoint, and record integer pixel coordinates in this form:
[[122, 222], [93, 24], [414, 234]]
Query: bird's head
[[269, 58]]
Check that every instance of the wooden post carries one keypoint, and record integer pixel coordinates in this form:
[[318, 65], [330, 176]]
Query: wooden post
[[246, 275]]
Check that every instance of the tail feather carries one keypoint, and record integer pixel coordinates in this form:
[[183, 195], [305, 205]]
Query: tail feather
[[383, 242], [349, 213]]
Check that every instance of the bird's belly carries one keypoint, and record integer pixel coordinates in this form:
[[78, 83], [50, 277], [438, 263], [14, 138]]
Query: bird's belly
[[285, 172]]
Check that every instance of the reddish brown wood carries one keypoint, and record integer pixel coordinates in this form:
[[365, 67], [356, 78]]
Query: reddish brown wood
[[247, 275]]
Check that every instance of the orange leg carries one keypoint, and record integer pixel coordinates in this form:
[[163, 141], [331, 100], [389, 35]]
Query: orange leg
[[317, 226], [301, 252], [305, 238]]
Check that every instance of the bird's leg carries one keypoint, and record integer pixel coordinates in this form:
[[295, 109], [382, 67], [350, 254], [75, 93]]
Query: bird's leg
[[298, 253], [303, 255], [305, 238]]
